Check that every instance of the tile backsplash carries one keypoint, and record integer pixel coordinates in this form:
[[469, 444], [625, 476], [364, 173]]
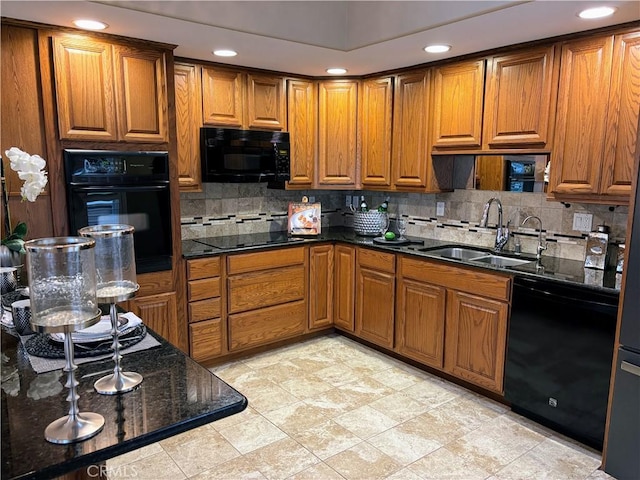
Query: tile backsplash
[[229, 209]]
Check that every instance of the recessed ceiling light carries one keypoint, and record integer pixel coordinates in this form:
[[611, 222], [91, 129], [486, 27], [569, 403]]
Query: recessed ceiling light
[[90, 24], [225, 53], [336, 71], [437, 48], [597, 12]]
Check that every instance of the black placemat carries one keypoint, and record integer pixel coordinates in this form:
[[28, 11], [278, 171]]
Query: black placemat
[[42, 345], [10, 297]]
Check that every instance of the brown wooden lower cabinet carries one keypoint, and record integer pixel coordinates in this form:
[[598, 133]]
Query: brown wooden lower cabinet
[[420, 316], [207, 326], [447, 317], [206, 339], [375, 294], [267, 296], [265, 325], [159, 312], [344, 287], [320, 286], [453, 319], [476, 334]]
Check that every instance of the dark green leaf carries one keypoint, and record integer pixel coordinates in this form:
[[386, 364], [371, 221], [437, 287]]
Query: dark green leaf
[[16, 244], [20, 230]]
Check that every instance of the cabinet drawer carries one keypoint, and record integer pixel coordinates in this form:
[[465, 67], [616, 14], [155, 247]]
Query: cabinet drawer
[[263, 289], [203, 268], [251, 262], [205, 288], [467, 280], [204, 309], [205, 339], [381, 261], [266, 325]]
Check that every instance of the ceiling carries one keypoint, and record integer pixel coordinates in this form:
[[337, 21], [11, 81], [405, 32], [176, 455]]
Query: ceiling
[[306, 37]]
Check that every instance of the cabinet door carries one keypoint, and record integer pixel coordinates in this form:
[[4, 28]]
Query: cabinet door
[[376, 103], [476, 338], [261, 289], [337, 142], [142, 94], [457, 105], [345, 284], [188, 123], [206, 339], [420, 320], [265, 102], [581, 120], [302, 121], [222, 97], [622, 120], [266, 325], [321, 286], [520, 99], [159, 313], [411, 130], [84, 89], [375, 293]]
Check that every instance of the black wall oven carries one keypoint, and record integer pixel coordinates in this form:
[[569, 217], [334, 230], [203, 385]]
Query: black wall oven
[[123, 187]]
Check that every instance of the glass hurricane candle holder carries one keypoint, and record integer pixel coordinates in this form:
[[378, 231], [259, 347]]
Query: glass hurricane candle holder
[[116, 278], [62, 283]]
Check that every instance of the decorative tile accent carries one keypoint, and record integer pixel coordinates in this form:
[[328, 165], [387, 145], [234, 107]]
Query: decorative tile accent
[[228, 209]]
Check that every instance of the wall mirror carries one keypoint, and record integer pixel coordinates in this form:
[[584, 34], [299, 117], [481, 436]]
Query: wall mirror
[[509, 173]]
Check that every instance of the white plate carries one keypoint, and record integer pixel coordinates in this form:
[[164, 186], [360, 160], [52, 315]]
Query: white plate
[[301, 219], [101, 331]]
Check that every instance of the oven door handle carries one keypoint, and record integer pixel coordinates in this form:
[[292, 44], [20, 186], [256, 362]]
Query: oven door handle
[[120, 188]]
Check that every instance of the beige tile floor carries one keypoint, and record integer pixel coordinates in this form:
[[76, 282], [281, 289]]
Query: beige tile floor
[[330, 408]]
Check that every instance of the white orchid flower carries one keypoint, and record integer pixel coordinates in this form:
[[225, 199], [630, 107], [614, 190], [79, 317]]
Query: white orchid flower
[[30, 170]]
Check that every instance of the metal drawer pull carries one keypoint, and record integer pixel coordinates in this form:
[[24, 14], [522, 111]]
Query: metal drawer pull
[[631, 368]]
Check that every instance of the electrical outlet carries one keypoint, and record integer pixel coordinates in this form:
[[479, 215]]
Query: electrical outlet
[[439, 209], [347, 202], [312, 199], [582, 222]]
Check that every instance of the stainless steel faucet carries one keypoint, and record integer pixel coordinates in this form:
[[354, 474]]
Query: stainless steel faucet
[[541, 246], [502, 233]]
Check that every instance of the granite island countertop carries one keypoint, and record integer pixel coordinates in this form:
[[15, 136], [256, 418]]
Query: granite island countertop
[[176, 395], [550, 268]]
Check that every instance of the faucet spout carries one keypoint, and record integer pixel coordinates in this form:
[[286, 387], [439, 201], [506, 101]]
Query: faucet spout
[[502, 233], [541, 246]]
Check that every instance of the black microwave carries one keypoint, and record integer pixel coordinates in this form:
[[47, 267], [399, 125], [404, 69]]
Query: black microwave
[[247, 156]]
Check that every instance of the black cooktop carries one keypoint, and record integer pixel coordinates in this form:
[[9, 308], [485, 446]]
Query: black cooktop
[[247, 240]]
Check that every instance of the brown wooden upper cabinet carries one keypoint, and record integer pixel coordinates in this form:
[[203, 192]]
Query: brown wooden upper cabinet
[[232, 98], [109, 92], [338, 163], [411, 127], [302, 108], [520, 99], [376, 103], [188, 123], [457, 105], [597, 119]]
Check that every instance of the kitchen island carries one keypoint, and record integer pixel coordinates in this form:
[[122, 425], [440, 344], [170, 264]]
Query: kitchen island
[[176, 395]]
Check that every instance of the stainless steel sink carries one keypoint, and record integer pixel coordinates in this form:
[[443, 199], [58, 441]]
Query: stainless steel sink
[[499, 261], [459, 253]]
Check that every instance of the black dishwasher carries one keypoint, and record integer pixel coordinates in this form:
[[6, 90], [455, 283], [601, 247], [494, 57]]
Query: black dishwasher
[[559, 353]]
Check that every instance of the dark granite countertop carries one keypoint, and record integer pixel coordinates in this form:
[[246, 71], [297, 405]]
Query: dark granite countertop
[[176, 395], [553, 268]]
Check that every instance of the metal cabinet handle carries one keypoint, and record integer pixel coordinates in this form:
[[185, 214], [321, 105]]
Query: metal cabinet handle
[[631, 368]]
